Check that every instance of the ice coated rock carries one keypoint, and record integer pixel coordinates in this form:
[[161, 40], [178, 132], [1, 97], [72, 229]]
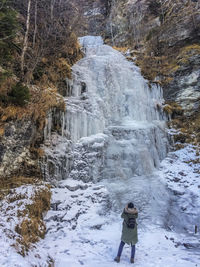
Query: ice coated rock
[[113, 118], [113, 131], [86, 41], [108, 90]]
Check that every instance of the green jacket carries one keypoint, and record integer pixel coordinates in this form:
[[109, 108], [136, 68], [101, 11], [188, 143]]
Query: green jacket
[[129, 236]]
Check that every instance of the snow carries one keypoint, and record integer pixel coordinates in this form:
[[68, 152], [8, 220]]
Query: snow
[[90, 41], [108, 98], [15, 201], [182, 171], [113, 123], [113, 137], [84, 228], [93, 239]]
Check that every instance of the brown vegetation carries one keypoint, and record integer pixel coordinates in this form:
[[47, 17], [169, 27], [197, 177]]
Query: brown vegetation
[[31, 226], [13, 182], [173, 109], [122, 49], [162, 48], [188, 129], [46, 48], [42, 100], [165, 67], [47, 32]]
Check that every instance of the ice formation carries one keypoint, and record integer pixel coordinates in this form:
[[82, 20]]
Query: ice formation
[[113, 117], [112, 138]]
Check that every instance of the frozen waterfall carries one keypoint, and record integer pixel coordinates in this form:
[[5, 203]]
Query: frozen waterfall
[[108, 90], [113, 125], [113, 137], [113, 117]]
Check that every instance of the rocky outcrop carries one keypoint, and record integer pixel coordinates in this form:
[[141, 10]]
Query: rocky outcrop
[[92, 16], [15, 142], [165, 35], [23, 130], [163, 38], [184, 87]]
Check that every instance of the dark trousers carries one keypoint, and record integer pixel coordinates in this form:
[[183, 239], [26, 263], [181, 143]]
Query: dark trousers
[[121, 246]]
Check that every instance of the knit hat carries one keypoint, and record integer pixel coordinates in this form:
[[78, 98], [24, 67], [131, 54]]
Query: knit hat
[[130, 205]]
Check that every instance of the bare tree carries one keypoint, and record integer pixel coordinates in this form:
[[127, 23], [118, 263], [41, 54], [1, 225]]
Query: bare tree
[[47, 27], [25, 44], [52, 7], [136, 17], [35, 23]]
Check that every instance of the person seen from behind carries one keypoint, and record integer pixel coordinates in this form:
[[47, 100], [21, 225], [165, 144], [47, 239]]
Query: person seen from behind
[[129, 231]]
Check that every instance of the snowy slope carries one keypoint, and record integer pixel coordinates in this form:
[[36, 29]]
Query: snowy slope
[[114, 135], [84, 225]]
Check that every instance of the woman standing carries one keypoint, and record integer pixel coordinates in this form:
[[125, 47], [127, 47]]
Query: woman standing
[[129, 231]]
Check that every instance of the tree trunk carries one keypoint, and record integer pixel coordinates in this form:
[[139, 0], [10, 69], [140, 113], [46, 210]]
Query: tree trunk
[[35, 26], [52, 7], [25, 45]]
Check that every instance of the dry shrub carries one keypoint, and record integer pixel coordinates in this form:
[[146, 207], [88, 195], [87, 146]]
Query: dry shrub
[[7, 80], [189, 129], [165, 66], [44, 94], [37, 152], [55, 73], [157, 66], [191, 48], [42, 100], [55, 69], [48, 99], [173, 109], [9, 183], [32, 227], [2, 130], [17, 181], [186, 53], [121, 49], [11, 112], [41, 203], [30, 231]]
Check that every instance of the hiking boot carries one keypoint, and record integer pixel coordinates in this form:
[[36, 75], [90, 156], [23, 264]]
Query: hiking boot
[[132, 260], [117, 259]]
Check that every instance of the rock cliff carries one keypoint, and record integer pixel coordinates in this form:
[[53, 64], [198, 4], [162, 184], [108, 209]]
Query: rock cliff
[[161, 36], [23, 130], [163, 39]]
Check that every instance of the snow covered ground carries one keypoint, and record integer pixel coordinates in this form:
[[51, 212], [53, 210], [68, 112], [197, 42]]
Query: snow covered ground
[[86, 227], [84, 224], [14, 209], [123, 138]]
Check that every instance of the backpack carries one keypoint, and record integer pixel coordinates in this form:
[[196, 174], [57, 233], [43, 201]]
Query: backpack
[[131, 223]]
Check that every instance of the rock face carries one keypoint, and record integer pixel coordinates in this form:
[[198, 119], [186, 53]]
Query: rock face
[[163, 35], [14, 148], [174, 22], [184, 87], [20, 140], [168, 30], [92, 16], [113, 123], [160, 31]]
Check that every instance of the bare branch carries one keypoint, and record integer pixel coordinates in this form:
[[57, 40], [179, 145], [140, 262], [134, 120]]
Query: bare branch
[[25, 46]]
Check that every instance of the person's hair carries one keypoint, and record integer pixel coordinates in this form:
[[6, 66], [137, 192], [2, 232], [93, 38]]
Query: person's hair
[[130, 205]]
